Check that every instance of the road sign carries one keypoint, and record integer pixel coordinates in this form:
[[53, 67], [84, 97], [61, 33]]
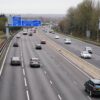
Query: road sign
[[19, 22], [16, 20]]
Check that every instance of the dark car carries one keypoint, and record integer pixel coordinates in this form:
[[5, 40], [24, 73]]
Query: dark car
[[15, 61], [15, 44], [34, 62], [38, 46], [43, 42], [34, 31], [92, 86], [24, 33], [30, 34]]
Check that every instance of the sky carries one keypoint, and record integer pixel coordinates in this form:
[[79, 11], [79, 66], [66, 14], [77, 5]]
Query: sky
[[37, 6]]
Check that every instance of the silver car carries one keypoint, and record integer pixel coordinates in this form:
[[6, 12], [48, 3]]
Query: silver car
[[85, 54], [15, 61]]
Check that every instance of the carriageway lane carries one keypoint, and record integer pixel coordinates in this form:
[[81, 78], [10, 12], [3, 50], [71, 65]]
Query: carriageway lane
[[67, 80], [11, 80], [76, 47], [38, 85]]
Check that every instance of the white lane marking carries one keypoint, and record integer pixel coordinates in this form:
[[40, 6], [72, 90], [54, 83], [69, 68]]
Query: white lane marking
[[89, 98], [27, 93], [24, 72], [5, 59], [22, 63], [76, 67], [45, 72], [60, 98], [50, 82], [25, 82]]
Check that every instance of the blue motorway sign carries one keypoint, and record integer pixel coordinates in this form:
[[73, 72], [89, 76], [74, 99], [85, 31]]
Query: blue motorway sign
[[18, 21]]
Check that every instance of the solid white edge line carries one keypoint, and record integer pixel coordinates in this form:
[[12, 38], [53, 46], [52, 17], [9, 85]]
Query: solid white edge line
[[27, 94], [75, 66], [60, 98], [23, 72], [25, 82], [2, 66]]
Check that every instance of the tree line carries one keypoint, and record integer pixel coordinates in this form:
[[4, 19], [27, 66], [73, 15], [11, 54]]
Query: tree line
[[3, 21], [82, 19]]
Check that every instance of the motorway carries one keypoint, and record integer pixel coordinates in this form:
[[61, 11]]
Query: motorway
[[56, 79], [77, 46]]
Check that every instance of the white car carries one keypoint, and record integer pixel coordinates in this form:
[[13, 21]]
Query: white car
[[57, 37], [67, 41], [15, 61], [34, 62], [88, 49], [18, 36], [85, 54]]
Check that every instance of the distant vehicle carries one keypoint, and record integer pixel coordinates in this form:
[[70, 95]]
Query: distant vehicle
[[30, 34], [67, 41], [57, 37], [34, 62], [15, 61], [25, 33], [43, 42], [92, 86], [89, 49], [85, 54], [34, 31], [38, 46], [15, 44], [51, 31], [18, 36]]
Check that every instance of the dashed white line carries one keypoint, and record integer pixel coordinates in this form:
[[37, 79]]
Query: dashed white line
[[45, 72], [23, 72], [25, 82], [50, 82], [22, 64], [60, 98], [27, 93]]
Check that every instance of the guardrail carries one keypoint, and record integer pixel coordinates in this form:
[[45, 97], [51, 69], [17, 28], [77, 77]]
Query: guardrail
[[3, 48]]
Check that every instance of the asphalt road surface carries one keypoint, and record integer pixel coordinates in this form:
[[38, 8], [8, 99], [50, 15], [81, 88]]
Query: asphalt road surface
[[56, 79], [76, 47]]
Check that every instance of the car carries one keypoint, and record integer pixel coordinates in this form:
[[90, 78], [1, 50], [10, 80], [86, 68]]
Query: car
[[24, 33], [34, 62], [38, 46], [85, 54], [34, 31], [89, 49], [15, 44], [92, 86], [43, 42], [51, 31], [57, 37], [67, 41], [15, 61], [18, 36], [30, 34]]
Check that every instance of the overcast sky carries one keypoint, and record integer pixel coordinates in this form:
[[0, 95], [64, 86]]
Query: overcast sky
[[37, 6]]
